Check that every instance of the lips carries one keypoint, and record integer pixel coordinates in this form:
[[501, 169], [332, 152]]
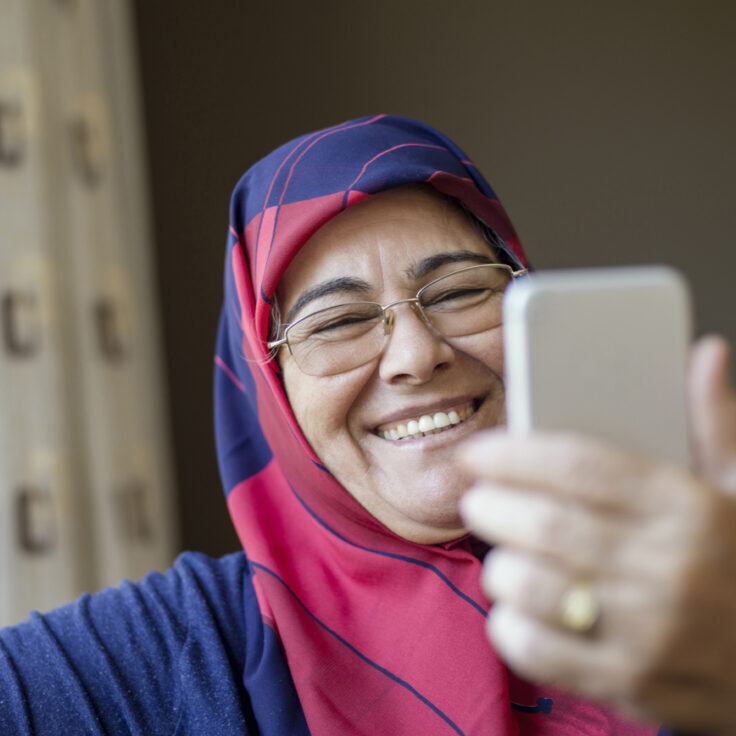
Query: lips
[[425, 424]]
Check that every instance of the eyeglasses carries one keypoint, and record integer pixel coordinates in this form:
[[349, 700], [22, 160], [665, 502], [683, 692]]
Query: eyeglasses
[[340, 338]]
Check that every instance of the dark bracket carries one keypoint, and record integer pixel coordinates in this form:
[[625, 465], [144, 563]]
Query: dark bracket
[[12, 142], [133, 511], [36, 518], [13, 305], [82, 136], [109, 334]]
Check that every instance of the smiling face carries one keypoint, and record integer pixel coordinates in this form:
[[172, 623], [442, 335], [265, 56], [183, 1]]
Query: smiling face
[[383, 249]]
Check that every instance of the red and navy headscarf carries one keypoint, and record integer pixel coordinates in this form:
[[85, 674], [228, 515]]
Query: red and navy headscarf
[[382, 636]]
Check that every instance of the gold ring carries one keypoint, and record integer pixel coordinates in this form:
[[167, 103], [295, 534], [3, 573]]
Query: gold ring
[[579, 610]]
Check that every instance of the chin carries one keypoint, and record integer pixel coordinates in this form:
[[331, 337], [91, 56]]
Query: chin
[[434, 503], [432, 531]]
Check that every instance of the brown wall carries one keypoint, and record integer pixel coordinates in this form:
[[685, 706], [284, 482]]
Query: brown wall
[[608, 130]]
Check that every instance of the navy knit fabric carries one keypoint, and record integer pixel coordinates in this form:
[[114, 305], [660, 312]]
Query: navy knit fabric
[[185, 652]]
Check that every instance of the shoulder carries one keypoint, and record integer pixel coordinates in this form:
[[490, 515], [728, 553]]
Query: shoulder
[[199, 599], [195, 577], [196, 591], [141, 653], [196, 588]]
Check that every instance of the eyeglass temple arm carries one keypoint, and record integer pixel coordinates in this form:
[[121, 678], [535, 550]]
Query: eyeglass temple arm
[[276, 343]]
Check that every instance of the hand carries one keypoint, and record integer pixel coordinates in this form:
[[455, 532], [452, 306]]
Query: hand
[[656, 542]]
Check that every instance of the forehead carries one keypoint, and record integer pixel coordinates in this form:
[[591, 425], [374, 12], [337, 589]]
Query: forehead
[[381, 236]]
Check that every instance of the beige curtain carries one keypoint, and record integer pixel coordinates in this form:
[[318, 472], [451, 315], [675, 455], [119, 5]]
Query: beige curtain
[[85, 476]]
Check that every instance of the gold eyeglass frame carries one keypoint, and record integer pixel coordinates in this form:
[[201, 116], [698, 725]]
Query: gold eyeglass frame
[[388, 316]]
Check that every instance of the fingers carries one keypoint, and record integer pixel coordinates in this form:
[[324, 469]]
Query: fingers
[[566, 465], [541, 524], [712, 405], [530, 585], [539, 587], [602, 669], [544, 653], [639, 534]]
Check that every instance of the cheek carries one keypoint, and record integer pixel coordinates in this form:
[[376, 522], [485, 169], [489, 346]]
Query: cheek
[[493, 353], [322, 405], [486, 348], [496, 360]]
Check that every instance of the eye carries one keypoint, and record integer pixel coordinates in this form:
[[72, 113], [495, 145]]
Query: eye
[[458, 297], [344, 323], [459, 293]]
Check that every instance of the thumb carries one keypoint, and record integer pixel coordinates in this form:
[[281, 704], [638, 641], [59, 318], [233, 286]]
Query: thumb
[[712, 409]]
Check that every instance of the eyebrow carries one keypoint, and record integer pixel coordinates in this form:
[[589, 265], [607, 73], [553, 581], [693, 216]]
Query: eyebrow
[[343, 284], [432, 263]]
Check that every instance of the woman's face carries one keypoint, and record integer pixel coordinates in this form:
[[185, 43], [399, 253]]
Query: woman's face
[[411, 485]]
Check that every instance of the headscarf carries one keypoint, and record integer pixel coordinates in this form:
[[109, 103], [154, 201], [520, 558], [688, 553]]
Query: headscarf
[[381, 635]]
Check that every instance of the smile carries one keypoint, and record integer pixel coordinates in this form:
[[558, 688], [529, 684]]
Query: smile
[[428, 424]]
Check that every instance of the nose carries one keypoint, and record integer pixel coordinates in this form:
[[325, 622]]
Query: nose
[[414, 351]]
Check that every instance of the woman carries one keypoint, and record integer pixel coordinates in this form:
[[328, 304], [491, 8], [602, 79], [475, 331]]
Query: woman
[[360, 555], [347, 377]]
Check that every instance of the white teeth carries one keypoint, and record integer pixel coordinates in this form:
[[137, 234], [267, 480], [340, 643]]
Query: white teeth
[[427, 424], [441, 420]]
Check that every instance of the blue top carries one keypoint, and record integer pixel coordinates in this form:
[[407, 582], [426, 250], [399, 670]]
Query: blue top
[[185, 652]]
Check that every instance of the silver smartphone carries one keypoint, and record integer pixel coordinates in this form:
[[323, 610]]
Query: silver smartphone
[[603, 352]]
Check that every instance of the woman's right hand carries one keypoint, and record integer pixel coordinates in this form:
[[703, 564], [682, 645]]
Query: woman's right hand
[[657, 543]]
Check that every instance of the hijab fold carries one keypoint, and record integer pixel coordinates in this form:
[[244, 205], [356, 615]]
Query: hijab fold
[[382, 636]]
